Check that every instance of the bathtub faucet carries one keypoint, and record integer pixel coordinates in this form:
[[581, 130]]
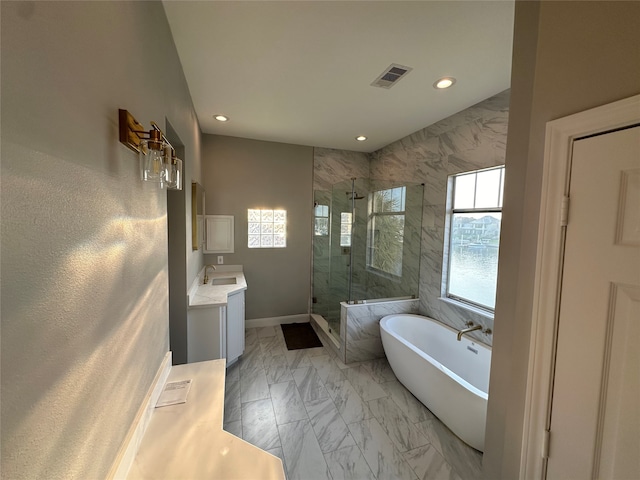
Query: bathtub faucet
[[470, 328]]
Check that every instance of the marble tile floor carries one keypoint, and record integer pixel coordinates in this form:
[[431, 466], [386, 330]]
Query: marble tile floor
[[328, 420]]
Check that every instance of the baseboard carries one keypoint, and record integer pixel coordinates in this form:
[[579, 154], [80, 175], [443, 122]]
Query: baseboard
[[271, 321], [129, 449]]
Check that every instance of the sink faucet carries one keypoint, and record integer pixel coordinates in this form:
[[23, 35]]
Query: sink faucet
[[470, 328], [206, 279]]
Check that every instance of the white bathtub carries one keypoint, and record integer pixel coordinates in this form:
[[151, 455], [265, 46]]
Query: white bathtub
[[450, 377]]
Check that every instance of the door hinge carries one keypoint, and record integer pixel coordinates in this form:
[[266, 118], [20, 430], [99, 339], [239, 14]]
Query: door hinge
[[564, 211], [545, 444]]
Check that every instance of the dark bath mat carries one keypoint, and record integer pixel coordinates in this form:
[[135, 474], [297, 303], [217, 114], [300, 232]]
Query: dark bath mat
[[300, 335]]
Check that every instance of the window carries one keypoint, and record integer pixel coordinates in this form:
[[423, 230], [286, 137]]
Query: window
[[345, 229], [474, 236], [386, 230], [321, 227], [267, 228]]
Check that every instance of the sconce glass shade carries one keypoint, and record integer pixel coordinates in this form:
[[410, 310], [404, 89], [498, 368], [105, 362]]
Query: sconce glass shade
[[174, 173], [152, 160]]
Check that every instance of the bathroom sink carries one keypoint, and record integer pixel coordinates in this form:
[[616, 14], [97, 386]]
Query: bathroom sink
[[223, 281]]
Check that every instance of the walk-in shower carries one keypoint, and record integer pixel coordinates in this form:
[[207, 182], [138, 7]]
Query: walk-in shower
[[366, 246]]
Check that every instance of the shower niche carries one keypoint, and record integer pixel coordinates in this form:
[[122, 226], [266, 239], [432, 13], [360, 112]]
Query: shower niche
[[366, 245]]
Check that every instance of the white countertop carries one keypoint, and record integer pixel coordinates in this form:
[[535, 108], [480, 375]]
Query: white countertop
[[208, 295], [187, 441]]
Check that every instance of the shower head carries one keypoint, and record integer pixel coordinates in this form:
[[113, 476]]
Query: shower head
[[356, 196]]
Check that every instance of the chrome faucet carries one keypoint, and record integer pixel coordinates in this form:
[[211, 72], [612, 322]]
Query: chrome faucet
[[470, 328], [206, 279]]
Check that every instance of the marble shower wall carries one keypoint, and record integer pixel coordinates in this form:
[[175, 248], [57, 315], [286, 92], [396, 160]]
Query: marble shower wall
[[360, 326], [332, 167], [472, 139]]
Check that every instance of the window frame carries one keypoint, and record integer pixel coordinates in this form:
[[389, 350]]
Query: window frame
[[373, 215], [261, 223], [346, 235], [452, 211], [321, 208]]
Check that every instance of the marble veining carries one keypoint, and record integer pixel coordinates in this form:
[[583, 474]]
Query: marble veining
[[309, 384], [397, 426], [331, 420], [350, 405], [259, 425], [364, 383], [361, 327], [428, 464], [348, 463], [328, 425], [277, 369], [378, 450], [380, 370], [254, 385], [232, 403], [302, 452], [287, 404], [331, 166], [410, 406]]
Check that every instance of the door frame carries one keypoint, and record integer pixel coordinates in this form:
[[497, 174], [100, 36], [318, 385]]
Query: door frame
[[559, 138]]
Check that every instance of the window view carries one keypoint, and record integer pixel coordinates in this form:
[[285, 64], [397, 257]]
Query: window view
[[386, 230], [345, 229], [475, 236], [321, 220], [267, 228]]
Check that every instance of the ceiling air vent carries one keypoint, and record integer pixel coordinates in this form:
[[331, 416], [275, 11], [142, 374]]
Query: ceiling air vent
[[392, 74]]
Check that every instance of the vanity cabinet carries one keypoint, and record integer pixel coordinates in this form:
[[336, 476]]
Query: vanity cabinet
[[217, 331], [235, 326]]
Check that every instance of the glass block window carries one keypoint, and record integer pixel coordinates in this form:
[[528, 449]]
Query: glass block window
[[321, 227], [267, 228], [345, 229]]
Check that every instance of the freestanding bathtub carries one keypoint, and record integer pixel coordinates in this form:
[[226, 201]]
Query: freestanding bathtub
[[450, 377]]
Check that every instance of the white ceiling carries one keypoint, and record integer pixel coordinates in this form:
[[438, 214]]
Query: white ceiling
[[300, 72]]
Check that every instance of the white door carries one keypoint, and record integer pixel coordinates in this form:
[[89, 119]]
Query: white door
[[595, 412]]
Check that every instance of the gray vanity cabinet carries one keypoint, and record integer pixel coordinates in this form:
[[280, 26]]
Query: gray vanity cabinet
[[217, 331]]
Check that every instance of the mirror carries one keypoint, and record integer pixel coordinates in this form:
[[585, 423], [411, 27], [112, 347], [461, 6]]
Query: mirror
[[197, 215]]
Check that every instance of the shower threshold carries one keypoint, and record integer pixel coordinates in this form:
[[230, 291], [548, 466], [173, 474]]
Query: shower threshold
[[380, 300]]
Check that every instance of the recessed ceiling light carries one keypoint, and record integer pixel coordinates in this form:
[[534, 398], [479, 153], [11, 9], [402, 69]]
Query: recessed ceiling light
[[445, 82], [221, 118], [361, 138]]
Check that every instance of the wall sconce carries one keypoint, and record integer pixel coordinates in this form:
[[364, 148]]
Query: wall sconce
[[174, 172], [158, 161]]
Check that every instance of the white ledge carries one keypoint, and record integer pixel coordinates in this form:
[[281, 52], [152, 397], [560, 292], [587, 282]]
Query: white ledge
[[207, 295], [187, 440], [466, 306]]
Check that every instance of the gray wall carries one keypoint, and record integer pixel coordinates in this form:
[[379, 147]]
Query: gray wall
[[84, 242], [568, 57], [239, 174]]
